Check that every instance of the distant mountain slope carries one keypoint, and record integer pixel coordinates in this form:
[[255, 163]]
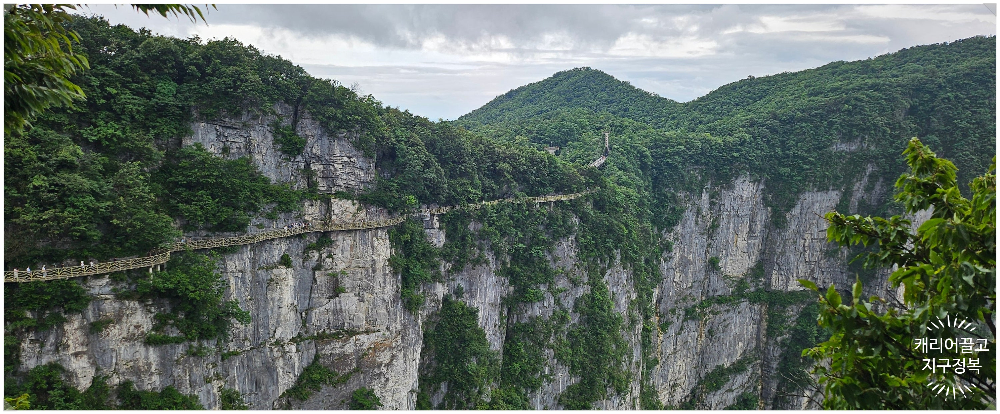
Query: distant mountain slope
[[816, 129], [907, 75], [943, 93], [911, 71], [582, 88]]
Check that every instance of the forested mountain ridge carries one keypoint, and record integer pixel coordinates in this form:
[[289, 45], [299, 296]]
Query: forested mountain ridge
[[582, 88], [594, 90], [797, 130], [671, 284]]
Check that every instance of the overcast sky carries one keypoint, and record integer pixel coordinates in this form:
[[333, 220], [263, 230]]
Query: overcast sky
[[442, 61]]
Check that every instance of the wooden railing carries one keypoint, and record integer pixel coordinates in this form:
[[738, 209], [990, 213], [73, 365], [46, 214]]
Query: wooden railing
[[598, 162], [604, 157], [162, 254]]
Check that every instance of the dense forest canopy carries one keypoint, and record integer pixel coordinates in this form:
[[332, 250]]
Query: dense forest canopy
[[106, 178], [810, 130]]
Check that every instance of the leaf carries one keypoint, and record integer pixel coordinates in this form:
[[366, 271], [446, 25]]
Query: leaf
[[856, 291], [833, 297], [808, 284]]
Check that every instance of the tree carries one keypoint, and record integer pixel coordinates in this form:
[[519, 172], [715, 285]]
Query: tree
[[21, 402], [39, 58], [874, 358], [38, 61], [364, 399]]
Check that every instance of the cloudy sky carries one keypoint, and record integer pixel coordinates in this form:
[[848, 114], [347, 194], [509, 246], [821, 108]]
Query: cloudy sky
[[442, 61]]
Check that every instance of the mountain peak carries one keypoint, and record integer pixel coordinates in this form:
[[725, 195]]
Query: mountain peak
[[579, 88]]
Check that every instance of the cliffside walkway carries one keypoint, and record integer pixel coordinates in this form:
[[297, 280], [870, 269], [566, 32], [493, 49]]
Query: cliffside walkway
[[604, 157], [162, 255]]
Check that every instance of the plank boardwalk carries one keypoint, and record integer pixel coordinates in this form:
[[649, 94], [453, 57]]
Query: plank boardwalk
[[604, 157], [162, 255], [599, 162]]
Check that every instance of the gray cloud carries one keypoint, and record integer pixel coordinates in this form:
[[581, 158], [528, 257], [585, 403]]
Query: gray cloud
[[469, 26]]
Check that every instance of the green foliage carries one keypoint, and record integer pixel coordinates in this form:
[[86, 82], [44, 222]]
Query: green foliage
[[229, 354], [21, 402], [195, 293], [47, 390], [93, 180], [792, 373], [523, 362], [415, 259], [583, 88], [321, 243], [594, 350], [216, 193], [649, 399], [423, 401], [198, 350], [721, 375], [438, 163], [312, 379], [38, 62], [774, 298], [810, 130], [947, 269], [745, 401], [525, 234], [288, 142], [714, 381], [713, 262], [230, 399], [44, 299], [192, 12], [618, 215], [90, 207], [99, 325], [285, 261], [168, 399], [459, 355], [507, 398], [99, 181], [340, 109], [48, 302], [462, 247], [364, 399]]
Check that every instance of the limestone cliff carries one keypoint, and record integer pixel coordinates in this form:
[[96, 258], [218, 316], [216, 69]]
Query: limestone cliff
[[342, 303]]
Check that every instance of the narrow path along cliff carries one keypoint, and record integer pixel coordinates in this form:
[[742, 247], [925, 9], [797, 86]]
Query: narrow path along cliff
[[162, 255]]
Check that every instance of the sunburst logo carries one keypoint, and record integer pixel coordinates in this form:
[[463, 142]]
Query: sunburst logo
[[964, 323], [953, 389], [943, 385]]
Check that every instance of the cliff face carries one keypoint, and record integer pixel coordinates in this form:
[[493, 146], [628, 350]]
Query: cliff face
[[341, 304], [362, 328], [732, 225]]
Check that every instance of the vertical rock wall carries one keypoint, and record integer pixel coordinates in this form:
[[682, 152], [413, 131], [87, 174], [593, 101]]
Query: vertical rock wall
[[732, 225]]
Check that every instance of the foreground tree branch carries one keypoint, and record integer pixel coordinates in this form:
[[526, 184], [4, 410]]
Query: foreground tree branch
[[948, 270]]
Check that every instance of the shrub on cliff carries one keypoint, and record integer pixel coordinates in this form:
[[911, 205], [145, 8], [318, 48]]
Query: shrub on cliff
[[364, 399]]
